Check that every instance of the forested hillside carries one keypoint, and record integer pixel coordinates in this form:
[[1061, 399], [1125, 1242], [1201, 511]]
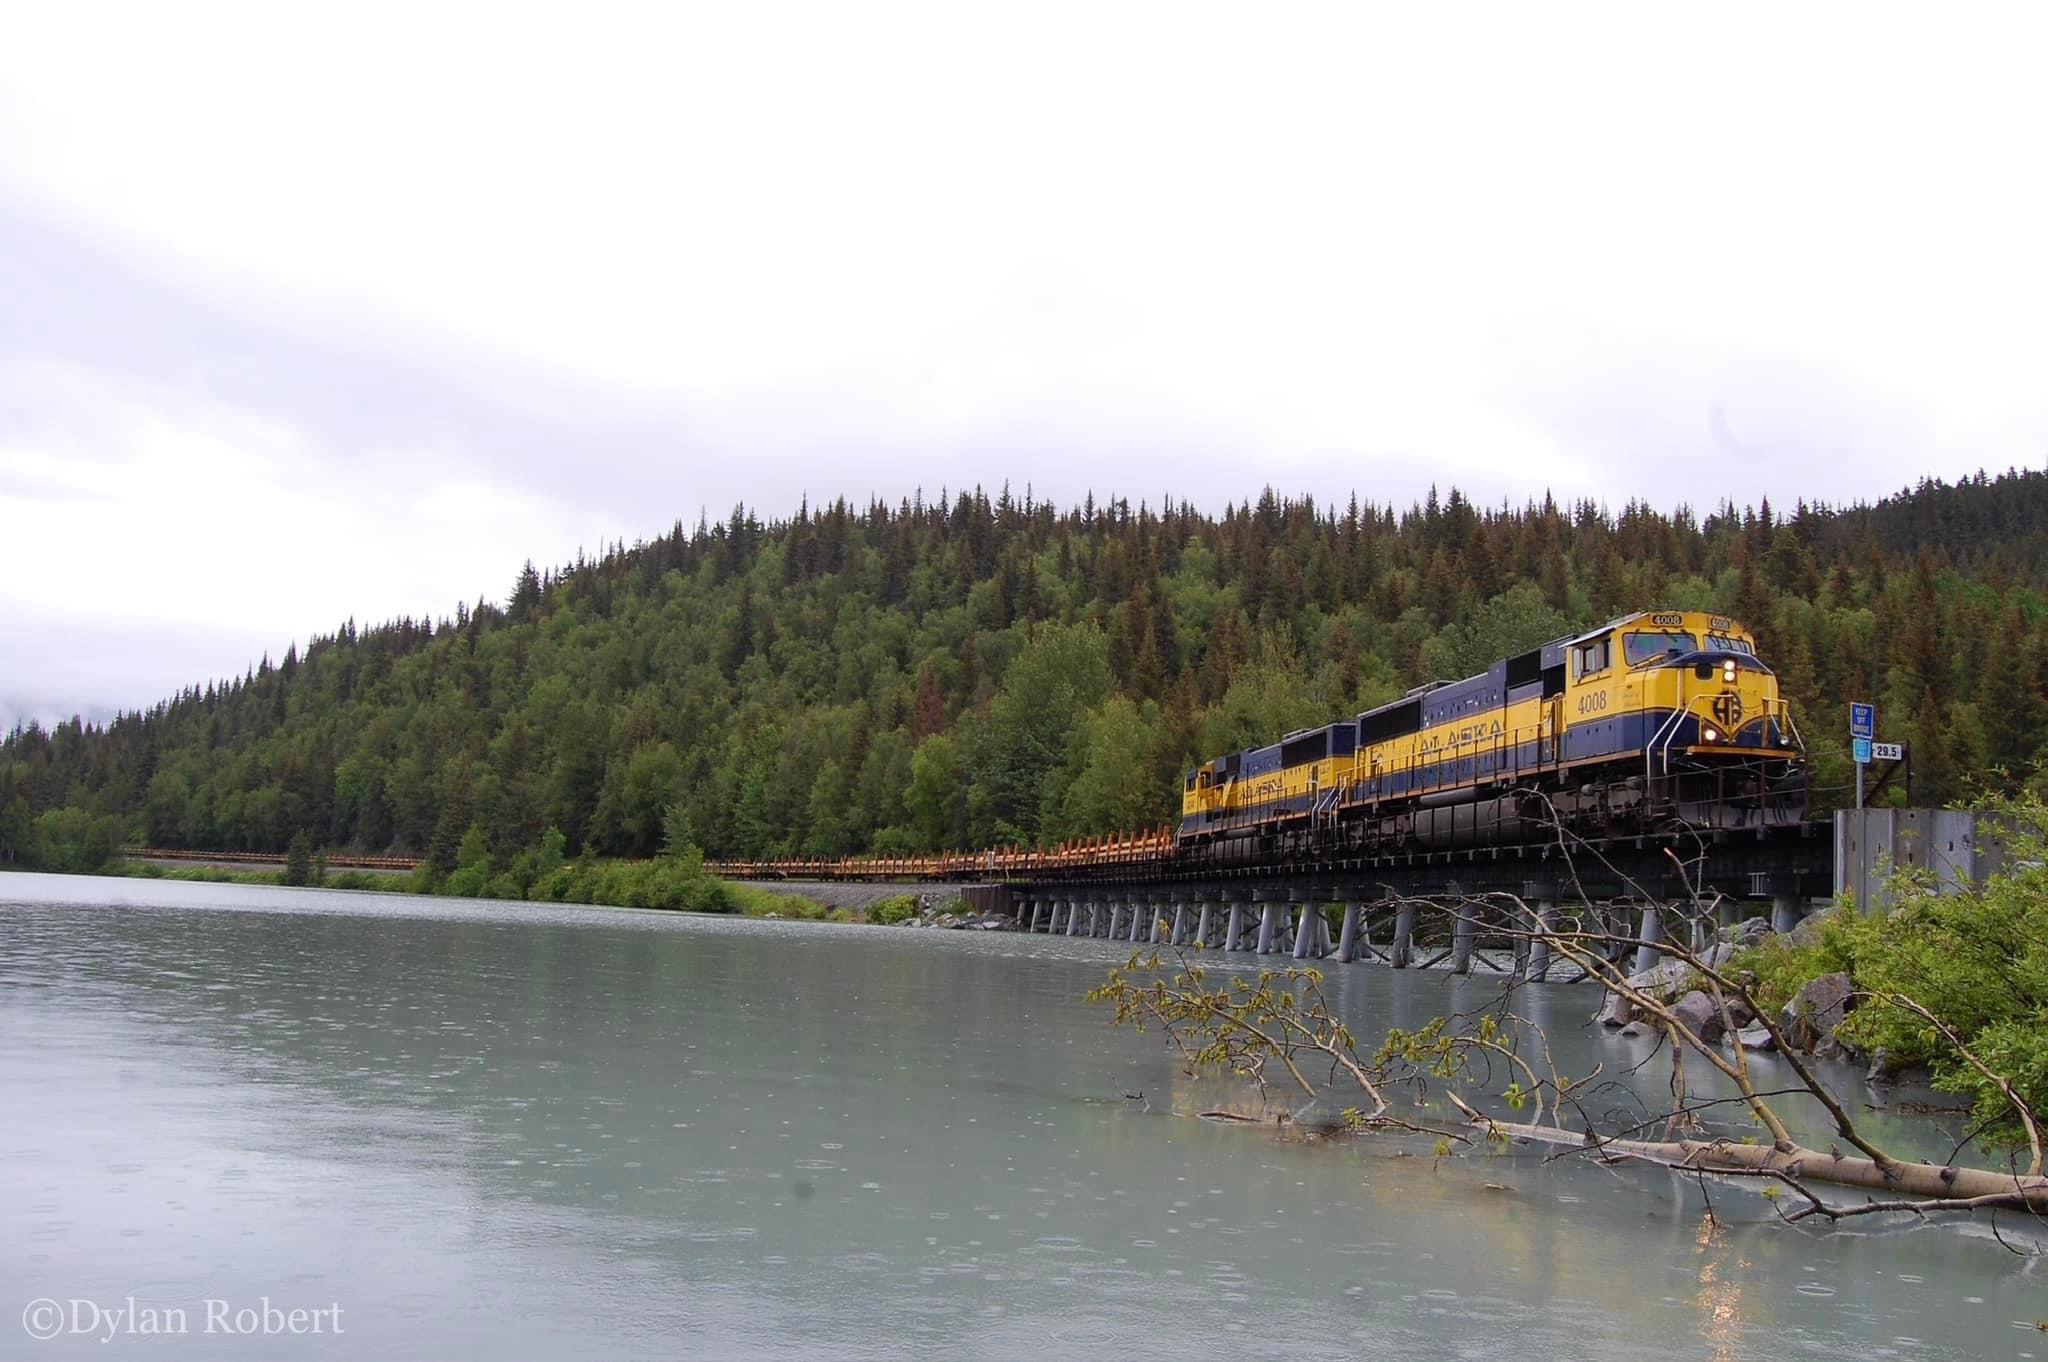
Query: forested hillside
[[971, 671]]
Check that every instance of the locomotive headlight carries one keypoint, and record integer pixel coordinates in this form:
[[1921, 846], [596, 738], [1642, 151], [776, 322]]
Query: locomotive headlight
[[1711, 734], [1728, 671]]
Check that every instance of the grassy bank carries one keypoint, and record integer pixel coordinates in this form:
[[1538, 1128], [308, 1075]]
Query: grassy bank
[[677, 884]]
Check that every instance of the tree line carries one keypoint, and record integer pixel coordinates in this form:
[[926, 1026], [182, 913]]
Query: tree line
[[973, 670]]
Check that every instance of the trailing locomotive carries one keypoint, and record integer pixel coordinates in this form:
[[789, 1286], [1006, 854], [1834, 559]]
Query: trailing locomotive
[[1656, 720]]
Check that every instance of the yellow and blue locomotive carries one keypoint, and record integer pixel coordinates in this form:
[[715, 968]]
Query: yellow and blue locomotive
[[1656, 720]]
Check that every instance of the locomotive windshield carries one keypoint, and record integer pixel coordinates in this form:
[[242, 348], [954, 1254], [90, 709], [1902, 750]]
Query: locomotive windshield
[[1729, 645], [1640, 648]]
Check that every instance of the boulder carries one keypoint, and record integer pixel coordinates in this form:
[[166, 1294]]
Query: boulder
[[1698, 1014], [1809, 928], [1816, 1010], [1834, 1045], [1756, 1038], [1746, 933], [1615, 1011], [1661, 981]]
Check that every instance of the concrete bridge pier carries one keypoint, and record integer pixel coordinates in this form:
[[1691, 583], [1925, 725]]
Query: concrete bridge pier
[[1463, 930], [1347, 936], [1320, 947], [1233, 931], [1142, 911], [1613, 919], [1702, 923], [1784, 912], [1269, 915], [1652, 932], [1037, 913], [1331, 896], [1202, 926], [1305, 915], [1178, 935], [1403, 951], [1539, 949], [1073, 917]]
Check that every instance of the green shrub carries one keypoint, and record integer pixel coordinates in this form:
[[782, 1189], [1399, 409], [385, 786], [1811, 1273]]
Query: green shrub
[[1977, 959], [889, 912], [672, 882], [1781, 966], [758, 902]]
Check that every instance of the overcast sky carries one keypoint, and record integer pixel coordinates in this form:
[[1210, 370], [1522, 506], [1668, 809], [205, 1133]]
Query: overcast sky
[[305, 318]]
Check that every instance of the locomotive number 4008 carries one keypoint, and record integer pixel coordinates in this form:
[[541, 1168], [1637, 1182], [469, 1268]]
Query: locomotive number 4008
[[1592, 702]]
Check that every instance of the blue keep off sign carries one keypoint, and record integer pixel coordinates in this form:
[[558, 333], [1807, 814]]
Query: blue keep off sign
[[1863, 724], [1862, 746]]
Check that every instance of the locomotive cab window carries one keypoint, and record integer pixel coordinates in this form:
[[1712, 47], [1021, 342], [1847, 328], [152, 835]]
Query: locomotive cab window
[[1594, 657], [1648, 647], [1727, 644]]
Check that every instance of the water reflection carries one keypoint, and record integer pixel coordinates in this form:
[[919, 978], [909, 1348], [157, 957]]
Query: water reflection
[[575, 1133]]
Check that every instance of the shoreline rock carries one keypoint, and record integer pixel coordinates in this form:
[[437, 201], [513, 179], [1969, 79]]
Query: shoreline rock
[[1816, 1012]]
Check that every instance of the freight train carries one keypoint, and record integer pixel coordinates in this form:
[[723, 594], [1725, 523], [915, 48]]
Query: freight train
[[1655, 721], [1659, 721]]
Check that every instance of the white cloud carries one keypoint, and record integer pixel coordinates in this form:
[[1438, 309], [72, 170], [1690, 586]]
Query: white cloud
[[512, 280]]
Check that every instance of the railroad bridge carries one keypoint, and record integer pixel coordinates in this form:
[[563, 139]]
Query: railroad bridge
[[1427, 908], [1417, 909]]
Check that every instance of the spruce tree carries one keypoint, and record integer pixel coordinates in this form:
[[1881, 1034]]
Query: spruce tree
[[2011, 705]]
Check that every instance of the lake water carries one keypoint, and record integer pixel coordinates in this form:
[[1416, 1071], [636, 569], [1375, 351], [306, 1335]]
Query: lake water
[[508, 1131]]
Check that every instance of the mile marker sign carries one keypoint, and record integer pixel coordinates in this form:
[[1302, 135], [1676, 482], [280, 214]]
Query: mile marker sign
[[1888, 751], [1863, 721]]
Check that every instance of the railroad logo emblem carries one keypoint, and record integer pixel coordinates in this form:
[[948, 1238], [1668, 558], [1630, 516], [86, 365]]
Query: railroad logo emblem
[[1728, 710]]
